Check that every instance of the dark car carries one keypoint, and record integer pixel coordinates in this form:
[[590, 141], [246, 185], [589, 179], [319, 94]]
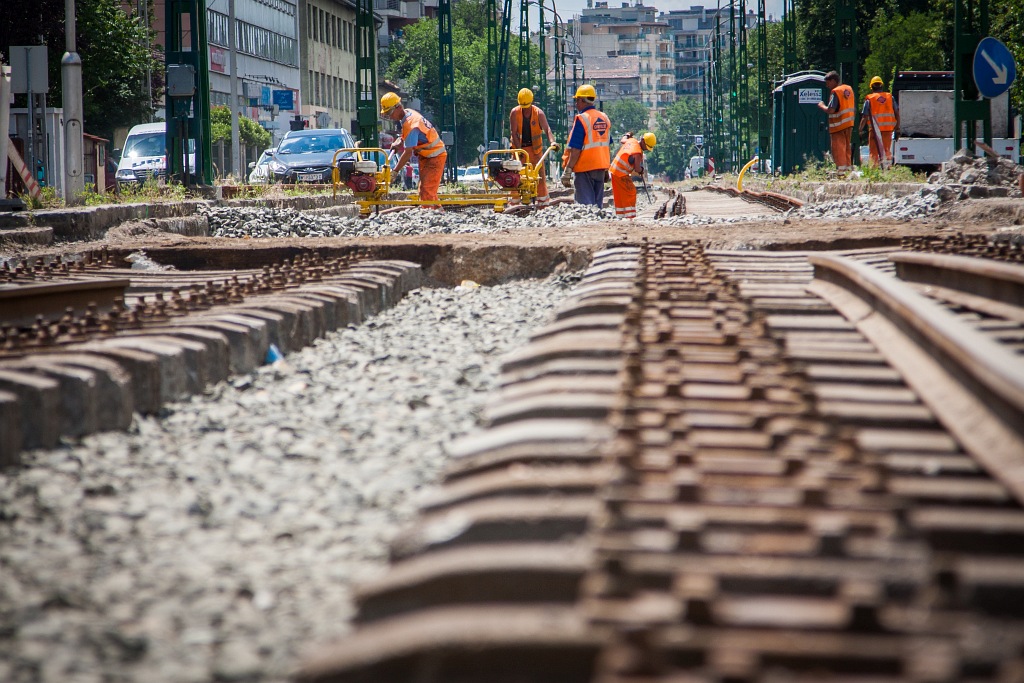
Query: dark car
[[304, 156]]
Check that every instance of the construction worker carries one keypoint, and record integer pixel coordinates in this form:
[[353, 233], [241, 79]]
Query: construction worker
[[590, 152], [418, 137], [528, 123], [629, 160], [840, 109], [882, 114]]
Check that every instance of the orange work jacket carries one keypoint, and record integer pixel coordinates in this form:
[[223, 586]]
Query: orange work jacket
[[516, 121], [622, 166], [882, 111], [843, 118], [413, 120], [596, 154]]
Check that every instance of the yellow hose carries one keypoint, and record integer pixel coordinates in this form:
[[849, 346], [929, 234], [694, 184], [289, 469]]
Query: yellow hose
[[739, 181]]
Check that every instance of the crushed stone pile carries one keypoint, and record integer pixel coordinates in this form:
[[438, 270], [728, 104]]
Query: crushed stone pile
[[272, 222], [965, 169], [917, 205]]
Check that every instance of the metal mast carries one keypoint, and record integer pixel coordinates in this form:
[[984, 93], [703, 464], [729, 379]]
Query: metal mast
[[788, 36], [186, 55], [525, 75], [498, 39], [446, 117], [846, 58], [744, 88], [764, 88], [543, 93], [366, 74]]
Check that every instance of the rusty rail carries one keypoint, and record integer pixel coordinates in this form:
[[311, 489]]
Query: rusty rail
[[700, 471], [774, 200]]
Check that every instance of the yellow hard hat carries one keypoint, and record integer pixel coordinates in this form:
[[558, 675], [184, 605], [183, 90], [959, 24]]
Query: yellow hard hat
[[587, 91], [388, 102], [649, 139], [875, 79], [525, 97]]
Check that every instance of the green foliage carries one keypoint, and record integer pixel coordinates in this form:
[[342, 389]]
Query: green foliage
[[250, 133], [114, 57], [627, 116], [901, 43], [675, 129], [1008, 26]]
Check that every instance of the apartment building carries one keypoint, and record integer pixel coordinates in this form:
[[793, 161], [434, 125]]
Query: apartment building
[[692, 31], [634, 31]]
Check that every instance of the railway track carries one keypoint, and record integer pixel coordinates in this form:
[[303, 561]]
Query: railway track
[[85, 345], [773, 200], [729, 466]]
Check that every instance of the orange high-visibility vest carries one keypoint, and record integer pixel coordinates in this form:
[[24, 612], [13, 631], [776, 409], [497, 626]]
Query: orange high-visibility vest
[[622, 166], [596, 154], [516, 121], [882, 111], [413, 120], [843, 118]]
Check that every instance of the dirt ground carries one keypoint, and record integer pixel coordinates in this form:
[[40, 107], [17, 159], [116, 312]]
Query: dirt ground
[[771, 233]]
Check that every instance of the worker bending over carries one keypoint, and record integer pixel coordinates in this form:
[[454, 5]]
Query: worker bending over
[[882, 115], [629, 160], [589, 149], [840, 109], [528, 124], [418, 137]]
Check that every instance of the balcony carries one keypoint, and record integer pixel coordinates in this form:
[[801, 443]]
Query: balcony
[[667, 88], [666, 72]]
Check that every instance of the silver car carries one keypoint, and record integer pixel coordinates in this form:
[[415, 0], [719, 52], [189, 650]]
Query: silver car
[[259, 170]]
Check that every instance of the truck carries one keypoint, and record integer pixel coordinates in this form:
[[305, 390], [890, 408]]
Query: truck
[[925, 140]]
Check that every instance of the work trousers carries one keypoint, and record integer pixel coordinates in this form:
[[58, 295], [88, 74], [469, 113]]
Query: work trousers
[[624, 195], [589, 187], [431, 171], [842, 153], [876, 156], [542, 182]]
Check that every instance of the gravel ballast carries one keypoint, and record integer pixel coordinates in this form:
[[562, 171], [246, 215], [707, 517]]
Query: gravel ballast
[[220, 541]]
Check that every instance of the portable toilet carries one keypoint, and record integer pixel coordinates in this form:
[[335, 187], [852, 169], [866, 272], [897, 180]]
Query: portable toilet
[[801, 128]]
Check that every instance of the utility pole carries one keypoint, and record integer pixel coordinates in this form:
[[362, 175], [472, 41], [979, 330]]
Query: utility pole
[[236, 164], [5, 122], [74, 147]]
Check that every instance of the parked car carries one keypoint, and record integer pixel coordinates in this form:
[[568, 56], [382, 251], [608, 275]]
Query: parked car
[[259, 170], [305, 156], [145, 154], [471, 174]]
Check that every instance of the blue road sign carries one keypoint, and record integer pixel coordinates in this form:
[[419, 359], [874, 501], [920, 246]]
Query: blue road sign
[[284, 99], [994, 69]]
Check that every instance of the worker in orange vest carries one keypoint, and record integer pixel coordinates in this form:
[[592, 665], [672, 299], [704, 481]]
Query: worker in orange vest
[[528, 123], [590, 152], [882, 114], [629, 160], [840, 109], [420, 138]]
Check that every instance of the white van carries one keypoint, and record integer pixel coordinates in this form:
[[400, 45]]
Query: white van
[[696, 167], [145, 154]]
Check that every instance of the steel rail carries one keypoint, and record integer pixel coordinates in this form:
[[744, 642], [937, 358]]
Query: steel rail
[[981, 284], [974, 386], [23, 304]]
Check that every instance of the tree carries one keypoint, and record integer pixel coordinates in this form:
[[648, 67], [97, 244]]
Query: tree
[[112, 46], [626, 116], [250, 133], [1008, 26], [900, 44], [676, 126]]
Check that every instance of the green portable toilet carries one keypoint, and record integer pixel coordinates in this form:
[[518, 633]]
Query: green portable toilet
[[801, 128]]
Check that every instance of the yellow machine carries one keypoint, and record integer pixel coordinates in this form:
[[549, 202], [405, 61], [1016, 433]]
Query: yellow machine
[[368, 174]]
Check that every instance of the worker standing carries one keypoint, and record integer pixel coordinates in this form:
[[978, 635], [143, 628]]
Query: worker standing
[[590, 152], [420, 138], [882, 114], [528, 123], [629, 160], [840, 108]]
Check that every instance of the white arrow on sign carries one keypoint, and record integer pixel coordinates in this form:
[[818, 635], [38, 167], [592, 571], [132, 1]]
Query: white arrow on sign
[[1001, 71]]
